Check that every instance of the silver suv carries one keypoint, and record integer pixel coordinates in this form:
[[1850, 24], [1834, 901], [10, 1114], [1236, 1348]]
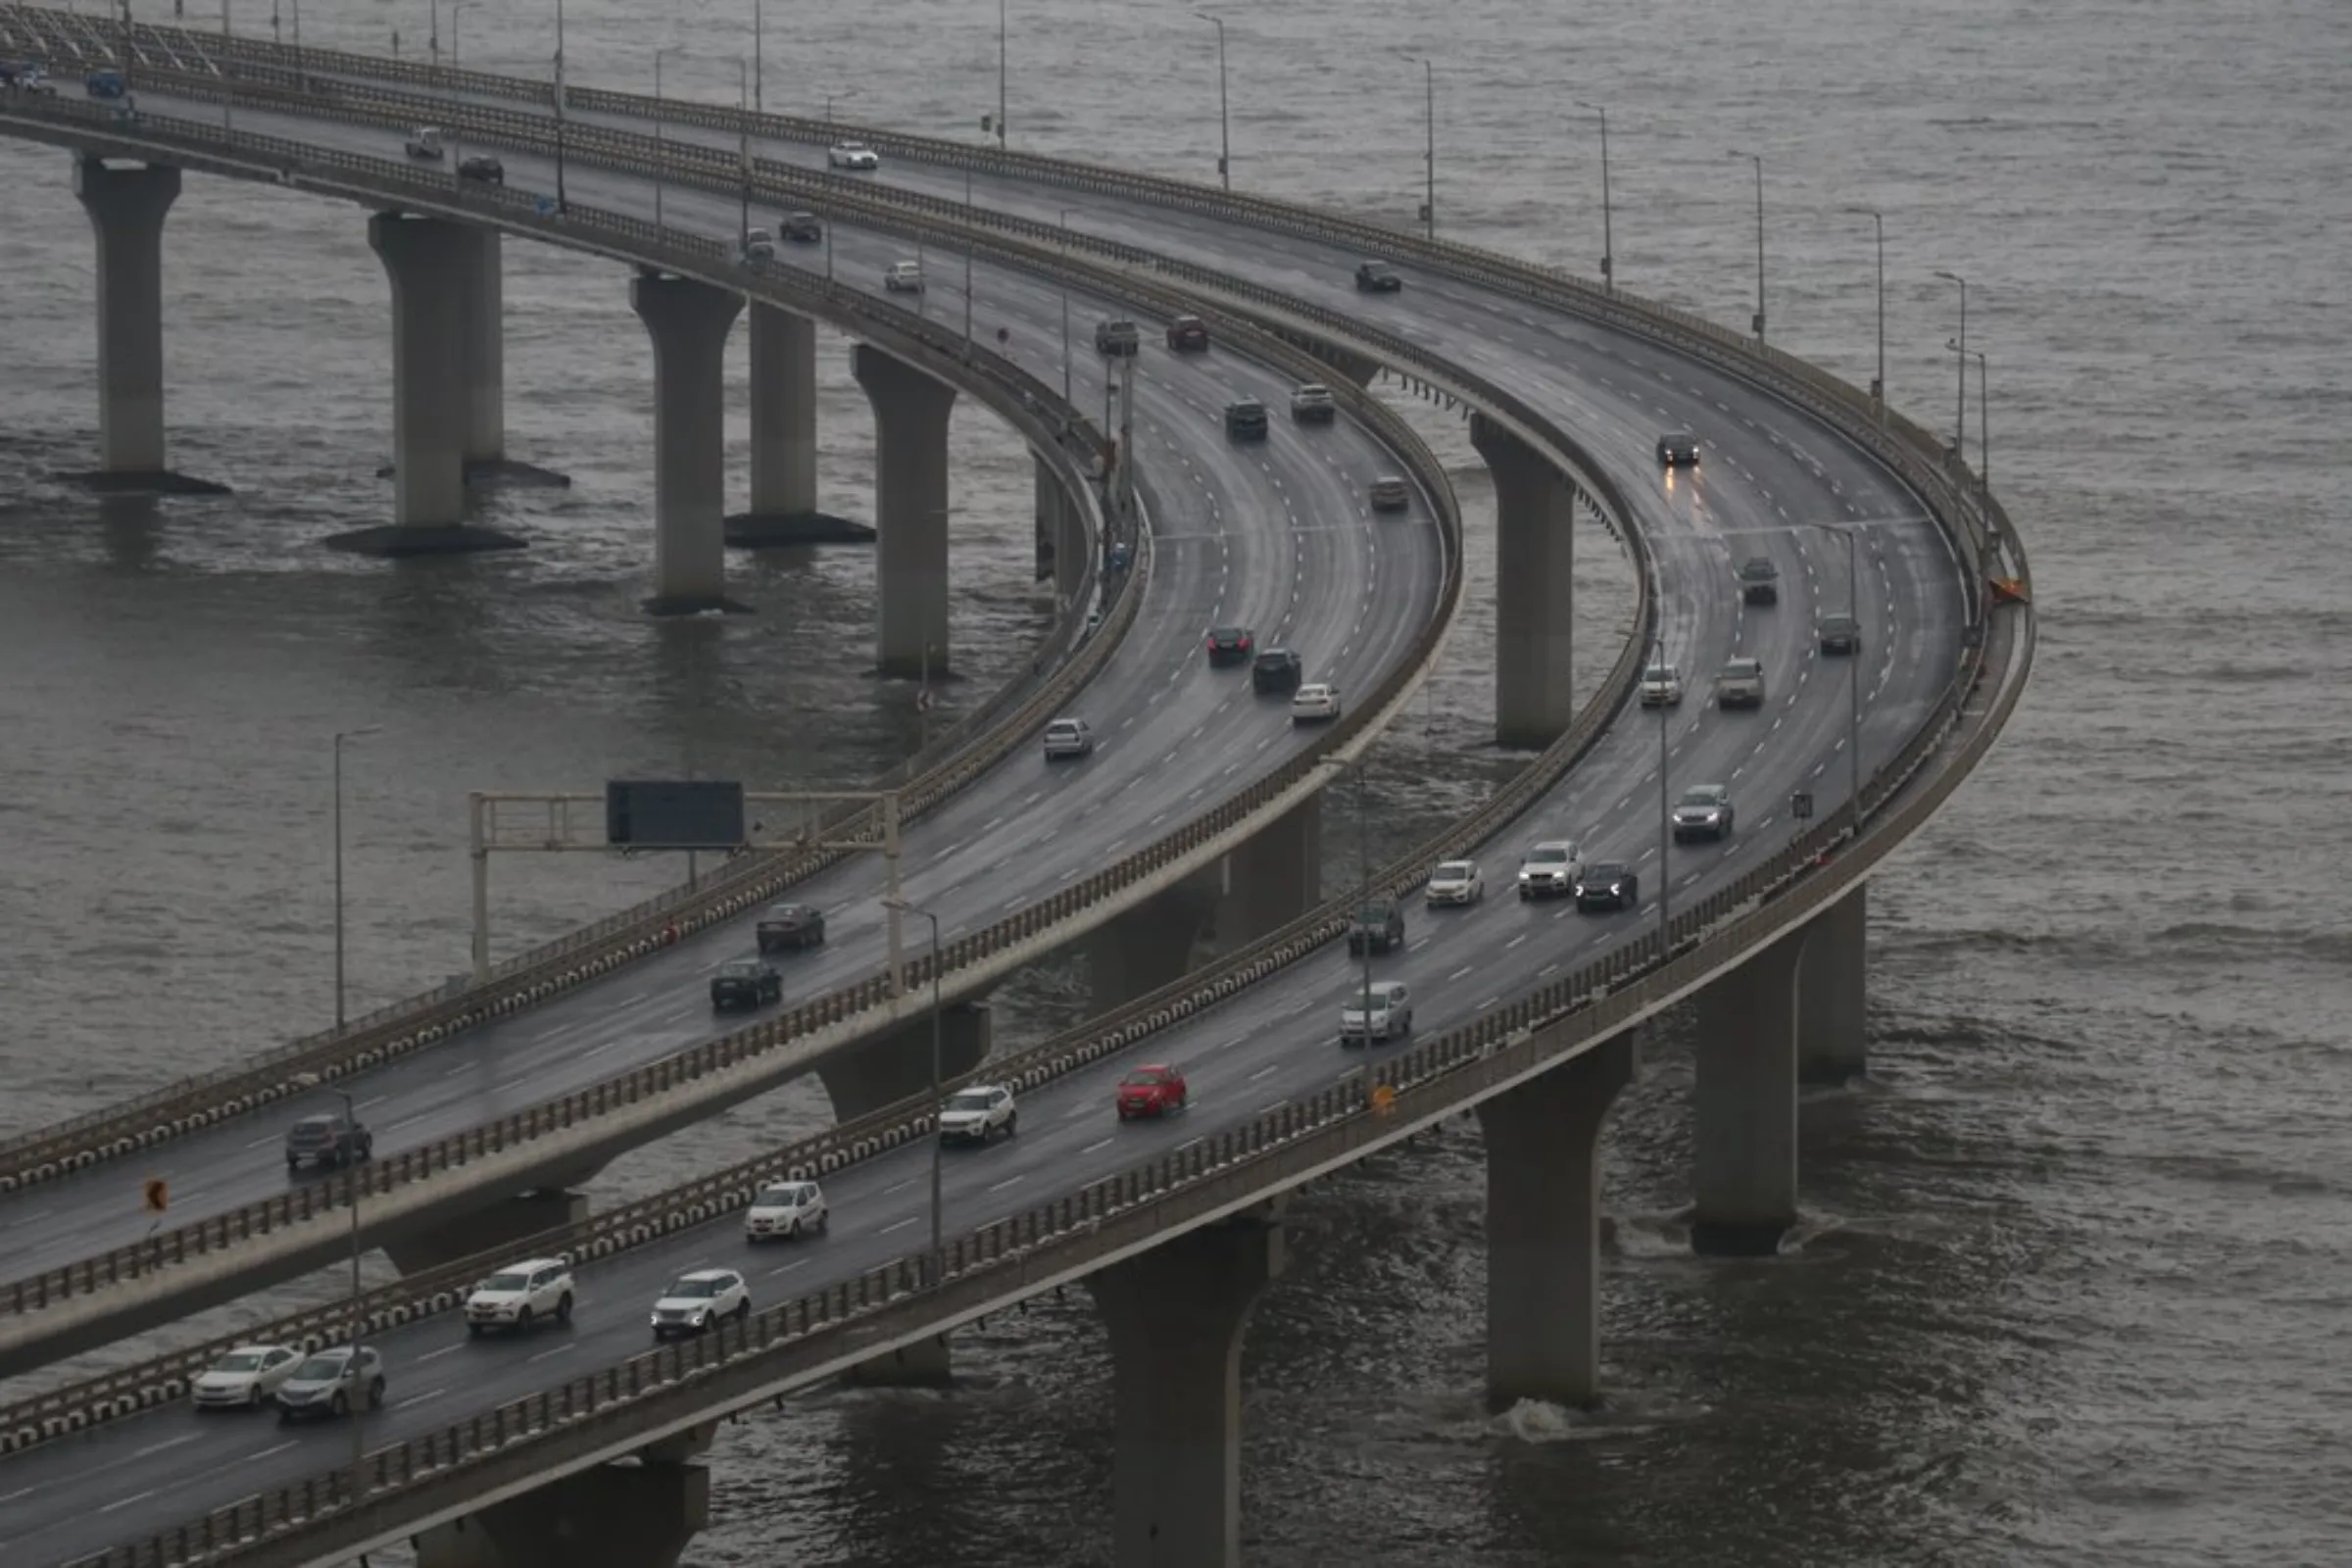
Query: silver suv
[[522, 1294], [1741, 684]]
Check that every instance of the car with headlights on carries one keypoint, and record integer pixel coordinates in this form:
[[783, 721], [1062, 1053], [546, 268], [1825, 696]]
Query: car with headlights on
[[1661, 687], [1741, 684], [1378, 927], [1838, 633], [789, 1209], [854, 155], [1607, 885], [1312, 404], [793, 926], [697, 1302], [1549, 869], [746, 985], [1679, 449], [1759, 581], [1703, 813], [333, 1384], [977, 1113], [1229, 645], [1315, 702], [1156, 1090], [245, 1378], [1454, 882], [537, 1290]]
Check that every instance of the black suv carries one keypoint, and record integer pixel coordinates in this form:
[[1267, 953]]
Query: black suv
[[745, 982], [1188, 333], [1278, 669], [1759, 581], [1840, 634], [483, 168], [1378, 925], [1229, 645], [1377, 278], [1245, 419], [802, 228], [1679, 449], [1607, 885], [791, 925], [329, 1143]]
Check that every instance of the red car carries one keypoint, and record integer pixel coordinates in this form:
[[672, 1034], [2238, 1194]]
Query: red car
[[1151, 1092], [1188, 334]]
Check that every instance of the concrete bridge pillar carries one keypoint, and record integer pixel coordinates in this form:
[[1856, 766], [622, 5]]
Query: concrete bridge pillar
[[1743, 1121], [501, 1222], [688, 323], [1133, 955], [1274, 878], [1175, 1315], [1544, 1228], [633, 1513], [126, 208], [783, 414], [483, 333], [1049, 520], [898, 1067], [910, 509], [1831, 981], [1535, 590]]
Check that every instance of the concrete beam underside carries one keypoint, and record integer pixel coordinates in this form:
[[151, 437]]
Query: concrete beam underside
[[1175, 1317], [1535, 577], [1273, 879], [898, 1067], [503, 1220], [629, 1514], [1156, 942], [910, 512], [1832, 986], [1743, 1116], [688, 323], [1542, 1142]]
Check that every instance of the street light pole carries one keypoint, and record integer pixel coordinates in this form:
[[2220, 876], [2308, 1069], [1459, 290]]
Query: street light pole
[[1065, 311], [1983, 428], [1364, 859], [1608, 242], [1003, 72], [1429, 206], [759, 61], [1960, 423], [967, 264], [341, 736], [659, 157], [1758, 159], [743, 99], [359, 1450], [563, 205], [1877, 388], [938, 1252], [1224, 119], [1665, 820]]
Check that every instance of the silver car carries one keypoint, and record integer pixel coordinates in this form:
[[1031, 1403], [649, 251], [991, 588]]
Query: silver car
[[1741, 685], [1703, 813], [1068, 737], [330, 1384], [245, 1378]]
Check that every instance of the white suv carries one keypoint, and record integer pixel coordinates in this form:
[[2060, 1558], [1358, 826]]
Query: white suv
[[522, 1294], [695, 1302], [903, 277], [1550, 869], [786, 1210], [1661, 686], [977, 1114]]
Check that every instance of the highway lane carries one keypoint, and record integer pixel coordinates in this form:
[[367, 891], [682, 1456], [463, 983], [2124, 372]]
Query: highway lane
[[1278, 536], [1274, 1043]]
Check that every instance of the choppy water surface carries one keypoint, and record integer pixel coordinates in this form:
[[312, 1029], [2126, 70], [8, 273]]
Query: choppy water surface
[[2073, 1286]]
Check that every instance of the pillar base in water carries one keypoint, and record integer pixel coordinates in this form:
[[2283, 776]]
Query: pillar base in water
[[161, 482], [759, 531], [393, 542]]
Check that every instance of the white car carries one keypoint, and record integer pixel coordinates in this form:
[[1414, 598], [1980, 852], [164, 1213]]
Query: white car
[[1389, 1016], [425, 143], [1661, 686], [1550, 869], [786, 1210], [758, 245], [1068, 737], [903, 277], [1315, 703], [697, 1302], [977, 1114], [522, 1294], [852, 155], [1454, 882], [245, 1378]]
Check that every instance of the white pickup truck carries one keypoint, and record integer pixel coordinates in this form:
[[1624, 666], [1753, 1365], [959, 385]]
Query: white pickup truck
[[1389, 1016]]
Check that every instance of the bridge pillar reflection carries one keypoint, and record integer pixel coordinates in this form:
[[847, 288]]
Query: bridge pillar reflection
[[1831, 981], [882, 1073], [1544, 1226], [126, 208], [500, 1221], [911, 510], [1175, 1316], [688, 323], [1743, 1116], [1535, 577], [641, 1513]]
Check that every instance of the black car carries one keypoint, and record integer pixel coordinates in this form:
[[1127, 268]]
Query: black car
[[1277, 670], [802, 228], [1839, 634], [1378, 925], [1188, 334], [483, 168], [329, 1143], [1229, 645], [1759, 581], [791, 927], [1679, 449], [1607, 885], [745, 982], [1245, 419], [1377, 278]]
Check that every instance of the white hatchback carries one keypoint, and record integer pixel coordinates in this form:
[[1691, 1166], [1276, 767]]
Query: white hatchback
[[903, 277], [786, 1210], [697, 1302]]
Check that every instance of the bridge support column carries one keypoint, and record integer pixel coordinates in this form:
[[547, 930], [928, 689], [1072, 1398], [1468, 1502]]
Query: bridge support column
[[435, 268], [1832, 982], [1152, 945], [1535, 590], [689, 322], [784, 441], [1274, 878], [911, 510], [126, 208], [1544, 1228], [1176, 1316], [501, 1222], [882, 1073], [1744, 1120], [482, 332], [639, 1513]]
